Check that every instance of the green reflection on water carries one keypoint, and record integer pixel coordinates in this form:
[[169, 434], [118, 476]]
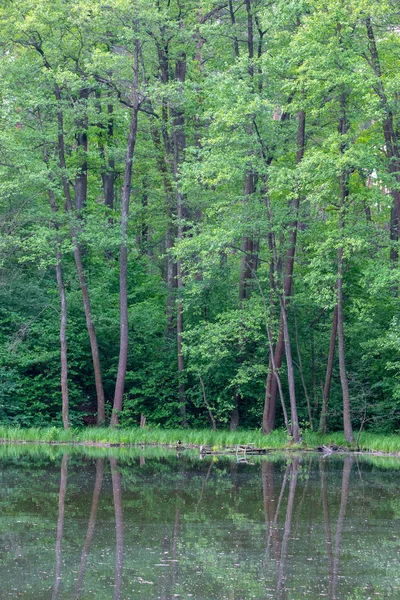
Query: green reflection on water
[[80, 523]]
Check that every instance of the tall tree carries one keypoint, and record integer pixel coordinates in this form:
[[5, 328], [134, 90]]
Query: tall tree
[[123, 283]]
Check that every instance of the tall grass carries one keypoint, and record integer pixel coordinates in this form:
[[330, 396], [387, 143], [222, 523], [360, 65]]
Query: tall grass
[[193, 437]]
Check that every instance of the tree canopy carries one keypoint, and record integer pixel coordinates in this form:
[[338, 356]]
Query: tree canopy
[[200, 213]]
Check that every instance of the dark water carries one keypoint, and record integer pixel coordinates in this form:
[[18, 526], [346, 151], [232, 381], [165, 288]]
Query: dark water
[[156, 526]]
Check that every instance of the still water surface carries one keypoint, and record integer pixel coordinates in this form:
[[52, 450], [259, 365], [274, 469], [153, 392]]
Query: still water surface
[[150, 525]]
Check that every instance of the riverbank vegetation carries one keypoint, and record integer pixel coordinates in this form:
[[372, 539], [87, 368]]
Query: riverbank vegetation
[[200, 218], [189, 438]]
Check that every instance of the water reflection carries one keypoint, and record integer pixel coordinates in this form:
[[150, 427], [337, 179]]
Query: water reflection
[[119, 526], [160, 528], [90, 530], [60, 524]]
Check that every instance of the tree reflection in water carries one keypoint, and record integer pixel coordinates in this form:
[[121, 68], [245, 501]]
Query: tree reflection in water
[[218, 537], [60, 524], [281, 576], [347, 464], [90, 531], [119, 526]]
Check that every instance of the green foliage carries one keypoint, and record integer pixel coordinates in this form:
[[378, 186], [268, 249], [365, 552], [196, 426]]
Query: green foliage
[[237, 110]]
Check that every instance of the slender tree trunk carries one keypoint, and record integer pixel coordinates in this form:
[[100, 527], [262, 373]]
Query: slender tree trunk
[[90, 531], [249, 258], [81, 137], [63, 343], [268, 423], [391, 141], [123, 283], [179, 146], [233, 23], [108, 169], [60, 524], [344, 192], [162, 160], [78, 264], [328, 376], [63, 316], [303, 381], [289, 362], [273, 286], [348, 429], [248, 266], [213, 422]]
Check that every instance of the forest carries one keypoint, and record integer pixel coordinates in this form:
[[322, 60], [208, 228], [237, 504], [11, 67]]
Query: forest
[[200, 214]]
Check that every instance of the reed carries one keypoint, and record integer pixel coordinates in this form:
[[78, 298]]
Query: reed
[[277, 440]]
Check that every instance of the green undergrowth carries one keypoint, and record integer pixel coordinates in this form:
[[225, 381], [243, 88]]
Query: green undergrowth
[[277, 440]]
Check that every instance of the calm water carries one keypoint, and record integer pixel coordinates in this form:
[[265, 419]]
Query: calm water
[[157, 526]]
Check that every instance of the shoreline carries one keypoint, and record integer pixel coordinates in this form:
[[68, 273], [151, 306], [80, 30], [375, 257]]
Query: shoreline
[[207, 450]]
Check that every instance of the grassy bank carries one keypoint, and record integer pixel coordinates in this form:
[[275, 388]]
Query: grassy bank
[[277, 440]]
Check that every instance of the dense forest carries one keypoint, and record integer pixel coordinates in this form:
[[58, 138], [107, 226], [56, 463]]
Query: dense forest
[[200, 213]]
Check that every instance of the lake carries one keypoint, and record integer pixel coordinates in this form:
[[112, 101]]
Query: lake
[[148, 524]]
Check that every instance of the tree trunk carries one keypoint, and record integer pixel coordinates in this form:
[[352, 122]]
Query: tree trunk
[[63, 343], [268, 423], [81, 137], [344, 192], [78, 264], [347, 426], [123, 283], [108, 169], [213, 422], [233, 23], [303, 381], [179, 146], [289, 362], [391, 141], [328, 376], [63, 316], [162, 160], [248, 263]]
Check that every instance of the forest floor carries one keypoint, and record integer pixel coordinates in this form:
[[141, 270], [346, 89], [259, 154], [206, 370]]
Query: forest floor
[[205, 439]]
